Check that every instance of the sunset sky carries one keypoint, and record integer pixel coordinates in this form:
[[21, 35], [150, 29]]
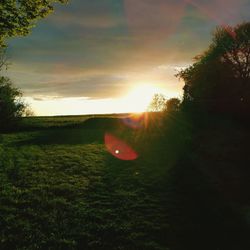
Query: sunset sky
[[109, 56]]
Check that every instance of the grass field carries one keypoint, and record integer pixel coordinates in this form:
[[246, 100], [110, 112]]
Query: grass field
[[41, 122], [62, 189]]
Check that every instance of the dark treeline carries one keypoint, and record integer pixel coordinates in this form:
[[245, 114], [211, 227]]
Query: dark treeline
[[219, 81], [212, 175]]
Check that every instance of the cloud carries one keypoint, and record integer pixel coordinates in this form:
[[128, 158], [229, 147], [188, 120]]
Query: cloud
[[89, 15], [38, 99], [223, 12], [69, 85], [98, 49], [103, 21], [157, 18]]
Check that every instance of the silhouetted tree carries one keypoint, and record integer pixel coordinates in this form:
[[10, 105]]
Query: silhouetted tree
[[11, 105], [219, 79], [158, 103], [28, 112], [17, 17], [173, 105]]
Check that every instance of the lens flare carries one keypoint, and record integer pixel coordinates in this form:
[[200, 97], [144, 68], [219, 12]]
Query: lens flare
[[223, 12], [119, 148], [159, 19]]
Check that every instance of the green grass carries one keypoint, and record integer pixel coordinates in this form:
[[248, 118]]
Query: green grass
[[61, 189], [41, 122]]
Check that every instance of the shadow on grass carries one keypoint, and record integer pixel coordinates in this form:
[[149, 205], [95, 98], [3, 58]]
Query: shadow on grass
[[161, 200], [68, 123], [90, 131], [199, 216], [63, 137]]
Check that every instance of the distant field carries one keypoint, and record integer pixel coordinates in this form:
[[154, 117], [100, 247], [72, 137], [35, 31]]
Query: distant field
[[60, 121], [61, 189]]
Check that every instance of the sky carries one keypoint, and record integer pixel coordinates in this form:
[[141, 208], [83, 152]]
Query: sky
[[111, 56]]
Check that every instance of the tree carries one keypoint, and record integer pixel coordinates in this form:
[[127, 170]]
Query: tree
[[17, 17], [219, 79], [3, 59], [158, 103], [11, 105], [233, 49], [173, 105], [28, 112]]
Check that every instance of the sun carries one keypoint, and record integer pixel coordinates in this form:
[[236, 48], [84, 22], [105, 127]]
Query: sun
[[139, 98]]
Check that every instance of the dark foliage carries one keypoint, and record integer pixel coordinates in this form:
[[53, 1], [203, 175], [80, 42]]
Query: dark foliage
[[11, 105], [17, 17], [173, 105], [219, 80], [3, 59]]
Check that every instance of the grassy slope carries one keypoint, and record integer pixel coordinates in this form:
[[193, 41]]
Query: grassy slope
[[61, 189]]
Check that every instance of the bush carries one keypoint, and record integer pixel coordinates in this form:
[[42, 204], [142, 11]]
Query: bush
[[218, 81], [11, 105]]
